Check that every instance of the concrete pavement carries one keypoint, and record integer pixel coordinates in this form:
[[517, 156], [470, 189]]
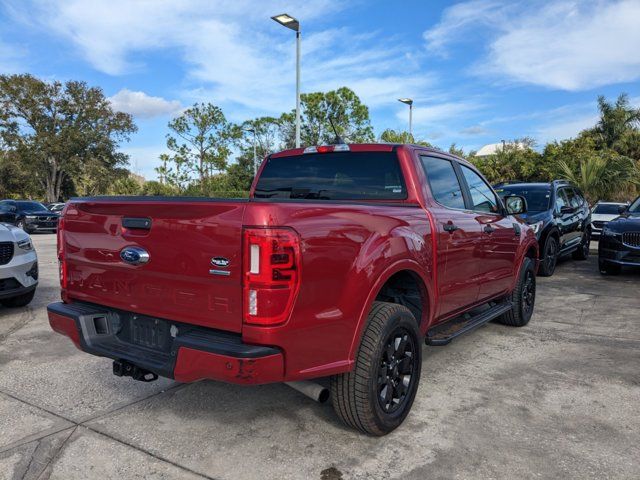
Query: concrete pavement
[[556, 399]]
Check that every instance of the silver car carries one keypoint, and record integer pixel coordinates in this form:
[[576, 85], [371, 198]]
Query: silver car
[[18, 267], [602, 213]]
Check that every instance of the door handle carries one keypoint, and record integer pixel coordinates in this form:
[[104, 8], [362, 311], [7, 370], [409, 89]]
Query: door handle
[[489, 229], [450, 227]]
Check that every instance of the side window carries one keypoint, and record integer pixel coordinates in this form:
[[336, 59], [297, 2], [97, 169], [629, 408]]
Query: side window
[[443, 181], [577, 201], [561, 200], [483, 198]]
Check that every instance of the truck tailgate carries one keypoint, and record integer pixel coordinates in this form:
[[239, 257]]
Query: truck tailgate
[[180, 281]]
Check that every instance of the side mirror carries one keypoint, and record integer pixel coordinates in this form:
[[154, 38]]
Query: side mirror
[[515, 204], [622, 209]]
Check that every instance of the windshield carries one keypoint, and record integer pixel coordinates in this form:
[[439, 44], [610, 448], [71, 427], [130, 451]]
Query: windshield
[[333, 176], [607, 208], [32, 206], [537, 198], [635, 206]]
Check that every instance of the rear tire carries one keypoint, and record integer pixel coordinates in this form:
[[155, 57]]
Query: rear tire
[[523, 298], [549, 258], [582, 253], [19, 301], [607, 268], [376, 396]]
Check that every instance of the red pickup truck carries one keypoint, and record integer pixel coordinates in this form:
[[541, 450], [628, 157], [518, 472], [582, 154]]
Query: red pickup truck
[[342, 261]]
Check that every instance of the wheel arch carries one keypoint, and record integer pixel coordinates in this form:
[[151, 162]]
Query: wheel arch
[[385, 283]]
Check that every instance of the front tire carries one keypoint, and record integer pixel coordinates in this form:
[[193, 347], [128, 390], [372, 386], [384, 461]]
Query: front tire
[[19, 301], [549, 257], [523, 298], [376, 396]]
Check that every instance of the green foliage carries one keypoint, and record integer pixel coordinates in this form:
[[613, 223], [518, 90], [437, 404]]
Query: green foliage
[[199, 142], [57, 131], [393, 136], [318, 109], [155, 188], [125, 185], [516, 161]]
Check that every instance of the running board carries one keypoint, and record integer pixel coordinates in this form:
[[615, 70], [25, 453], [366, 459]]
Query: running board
[[443, 333]]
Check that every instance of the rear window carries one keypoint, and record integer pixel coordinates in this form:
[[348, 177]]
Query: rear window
[[606, 209], [333, 176]]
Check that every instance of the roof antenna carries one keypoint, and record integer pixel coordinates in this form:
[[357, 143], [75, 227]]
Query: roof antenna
[[338, 140]]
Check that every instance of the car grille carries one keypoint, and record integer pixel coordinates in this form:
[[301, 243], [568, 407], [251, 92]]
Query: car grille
[[6, 252], [631, 239], [598, 223]]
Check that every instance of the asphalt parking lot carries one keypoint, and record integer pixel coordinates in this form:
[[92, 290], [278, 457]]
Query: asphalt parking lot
[[556, 399]]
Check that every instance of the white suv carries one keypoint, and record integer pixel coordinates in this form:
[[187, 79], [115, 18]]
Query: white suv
[[18, 267]]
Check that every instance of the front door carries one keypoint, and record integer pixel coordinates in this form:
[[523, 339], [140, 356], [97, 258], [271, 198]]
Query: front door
[[500, 240]]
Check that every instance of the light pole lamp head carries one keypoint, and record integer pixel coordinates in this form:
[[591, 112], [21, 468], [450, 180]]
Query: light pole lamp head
[[408, 101], [288, 21]]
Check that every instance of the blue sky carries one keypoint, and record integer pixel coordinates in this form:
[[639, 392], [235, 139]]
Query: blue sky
[[479, 71]]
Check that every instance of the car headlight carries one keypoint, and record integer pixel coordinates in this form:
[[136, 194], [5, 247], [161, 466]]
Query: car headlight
[[25, 244], [536, 227]]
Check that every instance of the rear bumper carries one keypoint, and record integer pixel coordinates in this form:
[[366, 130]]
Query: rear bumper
[[184, 352]]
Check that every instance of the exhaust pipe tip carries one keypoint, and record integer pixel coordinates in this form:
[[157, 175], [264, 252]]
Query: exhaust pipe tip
[[313, 390]]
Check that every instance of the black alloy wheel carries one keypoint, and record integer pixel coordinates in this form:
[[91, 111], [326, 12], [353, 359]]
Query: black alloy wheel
[[550, 257], [528, 294], [395, 374]]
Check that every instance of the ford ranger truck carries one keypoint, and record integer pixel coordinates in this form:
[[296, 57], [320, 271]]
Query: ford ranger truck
[[341, 263]]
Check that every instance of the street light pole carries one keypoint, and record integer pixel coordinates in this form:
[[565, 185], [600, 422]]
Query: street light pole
[[255, 155], [288, 21], [298, 88], [409, 101]]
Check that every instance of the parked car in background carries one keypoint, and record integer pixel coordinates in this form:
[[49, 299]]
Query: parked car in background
[[344, 259], [560, 217], [55, 207], [619, 244], [32, 216], [7, 214], [18, 267], [603, 212]]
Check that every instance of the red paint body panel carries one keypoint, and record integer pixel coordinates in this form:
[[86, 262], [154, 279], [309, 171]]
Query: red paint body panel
[[193, 365], [348, 251]]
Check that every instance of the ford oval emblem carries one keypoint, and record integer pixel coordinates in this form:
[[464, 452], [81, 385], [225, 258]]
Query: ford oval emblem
[[220, 261], [134, 255]]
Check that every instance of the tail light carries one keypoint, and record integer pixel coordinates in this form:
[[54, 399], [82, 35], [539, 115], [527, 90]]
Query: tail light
[[271, 274], [62, 264]]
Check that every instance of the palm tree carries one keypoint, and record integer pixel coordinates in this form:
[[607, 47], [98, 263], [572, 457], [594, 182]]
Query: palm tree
[[603, 175], [616, 120]]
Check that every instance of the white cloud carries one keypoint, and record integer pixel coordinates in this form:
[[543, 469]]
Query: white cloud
[[440, 112], [565, 45], [141, 105], [144, 159], [232, 51]]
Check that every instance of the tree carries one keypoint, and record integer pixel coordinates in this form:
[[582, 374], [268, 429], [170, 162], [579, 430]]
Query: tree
[[617, 121], [55, 129], [393, 136], [598, 172], [265, 131], [200, 141], [516, 161], [342, 107]]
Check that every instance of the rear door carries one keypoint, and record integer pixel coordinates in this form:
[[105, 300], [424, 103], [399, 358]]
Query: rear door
[[181, 280], [568, 221], [500, 239], [459, 237]]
